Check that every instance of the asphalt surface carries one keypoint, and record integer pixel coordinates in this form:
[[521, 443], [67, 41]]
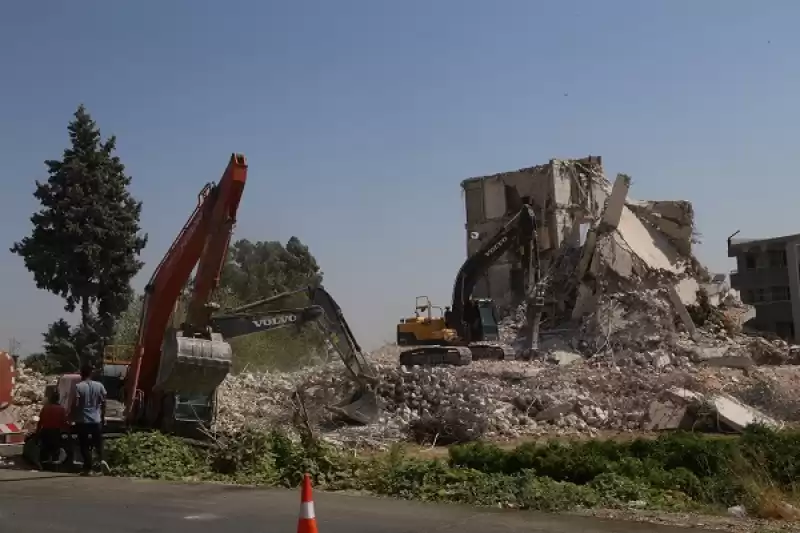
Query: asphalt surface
[[46, 503]]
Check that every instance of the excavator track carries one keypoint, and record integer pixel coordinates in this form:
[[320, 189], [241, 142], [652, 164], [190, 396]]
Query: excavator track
[[492, 352], [456, 355], [436, 355]]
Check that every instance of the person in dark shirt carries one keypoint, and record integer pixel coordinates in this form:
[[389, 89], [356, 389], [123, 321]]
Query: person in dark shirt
[[89, 411], [52, 423]]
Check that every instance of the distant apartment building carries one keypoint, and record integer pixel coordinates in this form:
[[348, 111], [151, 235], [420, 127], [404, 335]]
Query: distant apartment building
[[767, 277]]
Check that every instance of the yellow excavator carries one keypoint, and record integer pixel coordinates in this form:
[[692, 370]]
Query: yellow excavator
[[468, 330], [425, 327]]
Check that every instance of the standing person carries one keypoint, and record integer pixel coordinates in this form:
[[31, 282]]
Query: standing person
[[52, 423], [90, 416]]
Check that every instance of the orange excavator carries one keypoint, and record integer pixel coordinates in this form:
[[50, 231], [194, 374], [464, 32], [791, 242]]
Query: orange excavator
[[171, 376], [172, 379], [173, 369]]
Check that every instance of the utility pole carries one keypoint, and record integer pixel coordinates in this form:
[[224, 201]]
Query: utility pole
[[13, 346], [13, 349]]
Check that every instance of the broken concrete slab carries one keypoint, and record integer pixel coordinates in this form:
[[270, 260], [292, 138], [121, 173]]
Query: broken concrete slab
[[648, 244], [680, 395], [687, 290], [737, 415], [615, 203], [681, 310], [555, 411], [563, 358], [742, 362], [662, 361], [663, 416]]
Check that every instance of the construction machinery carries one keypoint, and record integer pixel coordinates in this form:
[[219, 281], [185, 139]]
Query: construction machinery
[[363, 406], [468, 330], [174, 373]]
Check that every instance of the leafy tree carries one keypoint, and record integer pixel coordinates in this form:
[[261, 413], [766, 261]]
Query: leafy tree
[[42, 363], [85, 241], [258, 270], [64, 346], [254, 271], [127, 326]]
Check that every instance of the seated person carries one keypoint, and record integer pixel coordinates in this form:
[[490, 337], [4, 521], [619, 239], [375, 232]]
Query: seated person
[[52, 423]]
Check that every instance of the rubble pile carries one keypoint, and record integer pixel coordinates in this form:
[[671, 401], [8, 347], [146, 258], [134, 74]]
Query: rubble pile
[[564, 394], [28, 393]]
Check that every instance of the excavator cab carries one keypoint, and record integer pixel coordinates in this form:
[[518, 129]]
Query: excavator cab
[[482, 319]]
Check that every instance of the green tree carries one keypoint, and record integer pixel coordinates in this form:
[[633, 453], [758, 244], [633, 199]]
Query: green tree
[[254, 271], [64, 344], [42, 363], [86, 237], [258, 270], [126, 328]]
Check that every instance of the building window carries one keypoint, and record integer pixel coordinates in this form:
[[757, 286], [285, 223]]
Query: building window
[[777, 258], [760, 295], [780, 294], [750, 261], [785, 330]]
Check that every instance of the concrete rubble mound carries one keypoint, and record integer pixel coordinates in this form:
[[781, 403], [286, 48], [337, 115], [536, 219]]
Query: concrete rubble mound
[[28, 393]]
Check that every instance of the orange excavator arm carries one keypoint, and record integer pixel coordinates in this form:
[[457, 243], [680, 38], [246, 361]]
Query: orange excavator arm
[[204, 239]]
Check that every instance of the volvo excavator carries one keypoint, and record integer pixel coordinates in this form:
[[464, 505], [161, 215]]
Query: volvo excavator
[[468, 330], [171, 379], [362, 407]]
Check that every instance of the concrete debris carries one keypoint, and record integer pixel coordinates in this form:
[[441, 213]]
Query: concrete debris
[[28, 394], [501, 400]]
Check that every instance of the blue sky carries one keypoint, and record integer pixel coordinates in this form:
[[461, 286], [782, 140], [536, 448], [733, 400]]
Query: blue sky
[[360, 118]]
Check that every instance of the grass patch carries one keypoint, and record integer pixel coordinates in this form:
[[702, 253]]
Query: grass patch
[[679, 471]]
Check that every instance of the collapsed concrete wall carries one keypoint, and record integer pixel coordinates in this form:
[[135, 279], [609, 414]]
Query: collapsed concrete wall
[[564, 195], [624, 238]]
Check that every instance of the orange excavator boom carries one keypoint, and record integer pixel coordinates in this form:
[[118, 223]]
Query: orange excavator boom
[[155, 373]]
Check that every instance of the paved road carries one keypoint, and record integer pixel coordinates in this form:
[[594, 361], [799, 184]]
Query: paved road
[[45, 503]]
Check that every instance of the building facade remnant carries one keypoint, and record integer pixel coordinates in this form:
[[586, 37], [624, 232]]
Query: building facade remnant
[[767, 277]]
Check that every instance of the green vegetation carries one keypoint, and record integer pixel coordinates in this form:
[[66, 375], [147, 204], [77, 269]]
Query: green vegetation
[[258, 270], [677, 472], [85, 243], [254, 271]]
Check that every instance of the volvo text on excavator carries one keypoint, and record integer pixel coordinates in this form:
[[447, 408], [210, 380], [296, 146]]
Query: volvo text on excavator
[[469, 328]]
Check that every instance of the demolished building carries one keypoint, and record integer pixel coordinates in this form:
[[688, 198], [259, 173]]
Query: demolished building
[[767, 276], [585, 225]]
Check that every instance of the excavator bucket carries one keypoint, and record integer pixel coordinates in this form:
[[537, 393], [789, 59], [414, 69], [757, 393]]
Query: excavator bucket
[[193, 365], [362, 408]]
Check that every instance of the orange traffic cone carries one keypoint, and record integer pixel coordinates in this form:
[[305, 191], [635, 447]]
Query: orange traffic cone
[[308, 520]]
